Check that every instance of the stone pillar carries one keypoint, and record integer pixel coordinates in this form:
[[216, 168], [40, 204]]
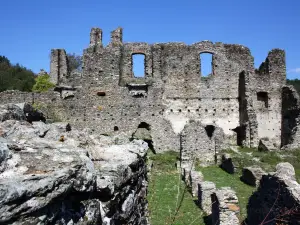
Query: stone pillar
[[225, 209], [96, 36], [58, 65], [117, 37], [205, 190], [277, 67], [196, 177]]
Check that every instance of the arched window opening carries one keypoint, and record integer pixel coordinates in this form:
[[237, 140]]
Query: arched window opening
[[210, 130]]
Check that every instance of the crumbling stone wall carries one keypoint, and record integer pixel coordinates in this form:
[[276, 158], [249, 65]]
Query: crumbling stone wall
[[225, 209], [290, 137], [107, 97], [265, 87], [201, 142], [58, 66]]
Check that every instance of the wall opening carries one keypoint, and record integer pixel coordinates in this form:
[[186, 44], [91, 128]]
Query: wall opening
[[240, 135], [263, 97], [138, 65], [101, 93], [138, 90], [206, 64], [210, 130], [116, 128], [144, 125], [143, 132]]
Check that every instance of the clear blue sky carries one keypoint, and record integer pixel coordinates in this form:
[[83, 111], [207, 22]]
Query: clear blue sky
[[29, 29]]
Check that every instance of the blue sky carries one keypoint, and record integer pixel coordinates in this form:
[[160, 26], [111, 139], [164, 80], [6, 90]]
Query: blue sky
[[29, 29]]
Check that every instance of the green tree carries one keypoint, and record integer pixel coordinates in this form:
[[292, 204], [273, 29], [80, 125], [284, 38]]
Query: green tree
[[295, 83], [15, 77], [42, 83], [74, 62]]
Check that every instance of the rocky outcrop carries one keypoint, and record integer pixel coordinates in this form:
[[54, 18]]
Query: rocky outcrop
[[252, 175], [21, 111], [277, 198], [31, 113], [11, 112], [52, 174]]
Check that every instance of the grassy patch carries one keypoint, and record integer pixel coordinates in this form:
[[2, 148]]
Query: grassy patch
[[266, 160], [223, 179], [168, 198]]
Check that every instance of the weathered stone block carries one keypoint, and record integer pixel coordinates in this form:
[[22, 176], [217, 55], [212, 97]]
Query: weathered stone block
[[195, 178], [286, 169], [252, 175], [205, 190], [225, 209], [227, 164]]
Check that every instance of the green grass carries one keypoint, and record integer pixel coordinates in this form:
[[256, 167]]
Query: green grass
[[168, 198], [171, 203], [224, 179], [266, 160]]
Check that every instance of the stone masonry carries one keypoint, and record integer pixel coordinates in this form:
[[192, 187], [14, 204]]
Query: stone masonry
[[236, 104]]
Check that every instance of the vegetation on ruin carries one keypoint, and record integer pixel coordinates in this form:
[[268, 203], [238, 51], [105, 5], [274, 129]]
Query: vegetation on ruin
[[15, 77], [170, 202], [42, 84], [295, 83], [74, 62]]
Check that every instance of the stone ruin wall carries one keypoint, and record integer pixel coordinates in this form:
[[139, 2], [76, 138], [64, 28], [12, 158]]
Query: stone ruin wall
[[290, 137], [243, 102]]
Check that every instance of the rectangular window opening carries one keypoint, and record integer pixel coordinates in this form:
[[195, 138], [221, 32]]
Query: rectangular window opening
[[206, 64], [138, 65], [263, 97]]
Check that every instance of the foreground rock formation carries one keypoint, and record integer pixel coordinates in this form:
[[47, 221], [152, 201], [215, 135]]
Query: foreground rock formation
[[53, 174], [277, 199]]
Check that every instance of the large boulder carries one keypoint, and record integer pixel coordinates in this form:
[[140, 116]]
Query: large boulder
[[11, 112], [31, 113], [252, 175], [20, 111], [4, 154], [286, 169], [77, 179]]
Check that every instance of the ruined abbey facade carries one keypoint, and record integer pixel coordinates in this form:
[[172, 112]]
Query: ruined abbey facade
[[236, 105]]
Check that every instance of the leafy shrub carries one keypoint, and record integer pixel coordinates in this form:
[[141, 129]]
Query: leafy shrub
[[42, 83], [295, 83]]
